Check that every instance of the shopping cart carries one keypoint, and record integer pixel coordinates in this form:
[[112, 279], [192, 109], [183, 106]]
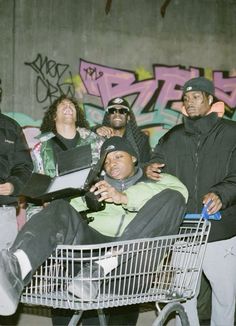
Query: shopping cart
[[162, 270]]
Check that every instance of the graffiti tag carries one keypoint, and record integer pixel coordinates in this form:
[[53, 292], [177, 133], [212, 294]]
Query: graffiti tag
[[50, 80]]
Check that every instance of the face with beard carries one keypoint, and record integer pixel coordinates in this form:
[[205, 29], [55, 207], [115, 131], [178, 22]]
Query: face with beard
[[118, 119], [197, 104]]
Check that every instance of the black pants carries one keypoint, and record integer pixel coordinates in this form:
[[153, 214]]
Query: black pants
[[60, 223]]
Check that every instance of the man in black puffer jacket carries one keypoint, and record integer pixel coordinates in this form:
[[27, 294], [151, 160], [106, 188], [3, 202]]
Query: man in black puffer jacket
[[201, 152], [15, 169]]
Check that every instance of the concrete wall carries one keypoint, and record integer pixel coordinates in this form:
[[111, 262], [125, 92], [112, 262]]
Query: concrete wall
[[42, 42]]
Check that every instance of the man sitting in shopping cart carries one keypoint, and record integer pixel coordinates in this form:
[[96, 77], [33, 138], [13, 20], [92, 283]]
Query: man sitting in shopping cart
[[134, 208]]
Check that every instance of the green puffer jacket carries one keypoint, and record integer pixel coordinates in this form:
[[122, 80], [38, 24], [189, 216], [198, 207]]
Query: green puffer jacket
[[114, 218]]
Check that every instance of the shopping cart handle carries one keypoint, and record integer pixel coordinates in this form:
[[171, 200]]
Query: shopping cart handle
[[204, 214], [216, 216]]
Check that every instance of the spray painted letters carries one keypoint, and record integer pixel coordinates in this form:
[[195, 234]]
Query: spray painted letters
[[156, 101], [50, 81]]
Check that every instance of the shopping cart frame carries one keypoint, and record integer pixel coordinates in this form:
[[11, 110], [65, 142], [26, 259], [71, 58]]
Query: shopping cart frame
[[162, 270]]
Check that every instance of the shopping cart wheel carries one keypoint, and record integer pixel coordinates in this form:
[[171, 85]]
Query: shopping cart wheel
[[167, 310]]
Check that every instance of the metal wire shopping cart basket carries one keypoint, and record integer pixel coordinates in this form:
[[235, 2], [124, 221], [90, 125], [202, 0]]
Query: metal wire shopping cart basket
[[162, 270]]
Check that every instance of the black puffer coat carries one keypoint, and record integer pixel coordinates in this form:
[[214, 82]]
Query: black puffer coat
[[15, 161], [202, 154]]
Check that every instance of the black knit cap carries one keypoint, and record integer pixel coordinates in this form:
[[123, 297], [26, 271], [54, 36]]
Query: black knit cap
[[118, 101], [199, 84], [117, 143]]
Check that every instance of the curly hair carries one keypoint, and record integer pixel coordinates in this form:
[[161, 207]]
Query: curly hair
[[49, 124]]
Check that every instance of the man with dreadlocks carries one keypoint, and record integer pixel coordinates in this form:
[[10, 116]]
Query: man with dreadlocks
[[119, 120]]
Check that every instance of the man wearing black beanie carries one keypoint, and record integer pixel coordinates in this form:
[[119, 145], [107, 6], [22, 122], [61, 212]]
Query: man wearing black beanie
[[201, 152], [134, 209]]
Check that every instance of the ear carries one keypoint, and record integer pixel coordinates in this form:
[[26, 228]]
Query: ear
[[134, 159], [210, 99]]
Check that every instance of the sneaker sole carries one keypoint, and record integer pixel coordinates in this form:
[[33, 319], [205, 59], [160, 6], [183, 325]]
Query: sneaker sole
[[8, 304], [8, 296]]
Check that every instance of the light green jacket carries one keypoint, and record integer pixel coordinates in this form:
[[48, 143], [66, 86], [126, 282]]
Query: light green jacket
[[114, 218]]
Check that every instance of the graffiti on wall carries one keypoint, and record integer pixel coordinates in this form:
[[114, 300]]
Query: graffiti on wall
[[51, 79], [156, 99]]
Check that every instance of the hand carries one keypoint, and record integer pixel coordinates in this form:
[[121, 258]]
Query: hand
[[216, 204], [108, 193], [153, 171], [6, 189], [105, 131]]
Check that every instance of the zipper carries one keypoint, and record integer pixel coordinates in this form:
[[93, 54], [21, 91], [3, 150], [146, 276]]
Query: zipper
[[196, 154], [123, 215], [121, 224], [122, 186]]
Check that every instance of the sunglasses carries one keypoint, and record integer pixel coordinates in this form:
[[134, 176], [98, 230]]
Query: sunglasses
[[115, 110]]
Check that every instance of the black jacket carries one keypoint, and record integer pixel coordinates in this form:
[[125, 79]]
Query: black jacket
[[15, 161], [202, 154]]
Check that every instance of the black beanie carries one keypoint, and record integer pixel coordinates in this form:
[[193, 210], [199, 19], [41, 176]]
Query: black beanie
[[117, 143], [199, 84]]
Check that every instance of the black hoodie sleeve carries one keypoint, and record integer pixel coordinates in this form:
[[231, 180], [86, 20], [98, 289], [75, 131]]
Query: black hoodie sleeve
[[15, 160]]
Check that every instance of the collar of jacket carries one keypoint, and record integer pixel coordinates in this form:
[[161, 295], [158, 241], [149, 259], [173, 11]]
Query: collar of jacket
[[122, 185], [45, 136], [202, 125], [83, 132]]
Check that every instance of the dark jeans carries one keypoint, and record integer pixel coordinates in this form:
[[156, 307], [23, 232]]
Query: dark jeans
[[60, 223]]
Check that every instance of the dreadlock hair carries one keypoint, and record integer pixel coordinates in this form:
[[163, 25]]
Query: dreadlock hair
[[132, 131], [49, 124]]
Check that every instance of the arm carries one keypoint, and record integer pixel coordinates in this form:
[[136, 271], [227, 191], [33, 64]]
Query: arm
[[108, 193], [136, 196], [223, 194], [140, 193], [20, 164], [6, 189], [104, 192], [154, 168], [216, 202], [145, 152], [105, 131]]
